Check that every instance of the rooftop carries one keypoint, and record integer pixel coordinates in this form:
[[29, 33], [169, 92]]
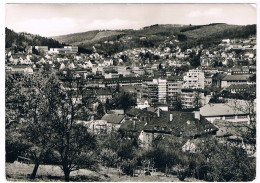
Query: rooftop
[[236, 78], [219, 109], [113, 118], [183, 123]]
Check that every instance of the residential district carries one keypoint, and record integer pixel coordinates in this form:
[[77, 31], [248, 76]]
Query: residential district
[[226, 73], [215, 98]]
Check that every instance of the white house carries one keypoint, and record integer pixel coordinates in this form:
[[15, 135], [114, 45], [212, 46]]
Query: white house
[[142, 104]]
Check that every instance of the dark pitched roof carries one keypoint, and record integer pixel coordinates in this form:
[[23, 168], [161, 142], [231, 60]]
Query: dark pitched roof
[[16, 56], [132, 126], [113, 118], [236, 78], [183, 123], [139, 112], [104, 92]]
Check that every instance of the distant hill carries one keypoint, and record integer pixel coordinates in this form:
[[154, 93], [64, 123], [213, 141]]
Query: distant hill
[[196, 31], [86, 37], [23, 40], [113, 41]]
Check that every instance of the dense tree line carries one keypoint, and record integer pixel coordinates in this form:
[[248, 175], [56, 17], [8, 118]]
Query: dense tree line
[[13, 39]]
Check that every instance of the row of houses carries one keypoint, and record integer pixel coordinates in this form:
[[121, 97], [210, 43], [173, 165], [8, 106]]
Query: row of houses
[[220, 120]]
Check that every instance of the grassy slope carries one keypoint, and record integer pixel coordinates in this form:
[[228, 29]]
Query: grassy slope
[[20, 172], [85, 37], [77, 37], [205, 31]]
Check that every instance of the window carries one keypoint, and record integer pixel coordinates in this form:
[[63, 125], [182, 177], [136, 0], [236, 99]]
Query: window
[[241, 117], [230, 117]]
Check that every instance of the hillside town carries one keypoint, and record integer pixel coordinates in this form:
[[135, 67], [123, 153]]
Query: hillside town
[[151, 93]]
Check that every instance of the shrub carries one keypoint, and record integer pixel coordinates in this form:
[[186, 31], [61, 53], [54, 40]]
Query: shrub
[[128, 166], [181, 172]]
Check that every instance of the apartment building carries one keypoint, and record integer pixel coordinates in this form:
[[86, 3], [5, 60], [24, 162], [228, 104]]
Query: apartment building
[[173, 90], [162, 90], [194, 79], [192, 98], [150, 88]]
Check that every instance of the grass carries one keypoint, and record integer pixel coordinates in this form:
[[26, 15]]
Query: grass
[[52, 173]]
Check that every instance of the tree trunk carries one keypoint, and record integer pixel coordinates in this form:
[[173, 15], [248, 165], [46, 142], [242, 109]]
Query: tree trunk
[[67, 175], [36, 165]]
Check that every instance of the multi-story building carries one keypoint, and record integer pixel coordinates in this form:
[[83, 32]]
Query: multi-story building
[[173, 90], [235, 79], [162, 90], [74, 49], [194, 79], [192, 98], [65, 50], [104, 94], [41, 48], [126, 81], [150, 88], [111, 75]]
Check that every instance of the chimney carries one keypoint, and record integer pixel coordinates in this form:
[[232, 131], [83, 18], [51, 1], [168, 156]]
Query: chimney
[[170, 117], [197, 115]]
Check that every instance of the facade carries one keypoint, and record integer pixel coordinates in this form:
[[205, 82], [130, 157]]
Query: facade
[[151, 89], [65, 50], [111, 75], [21, 69], [162, 90], [73, 49], [127, 81], [42, 48], [104, 94], [242, 88], [191, 98], [194, 79], [142, 104], [235, 79], [173, 90]]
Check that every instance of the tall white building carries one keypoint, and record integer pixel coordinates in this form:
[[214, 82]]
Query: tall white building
[[194, 79], [162, 90]]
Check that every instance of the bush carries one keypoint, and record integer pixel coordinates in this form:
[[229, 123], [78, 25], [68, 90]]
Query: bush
[[128, 166], [181, 172]]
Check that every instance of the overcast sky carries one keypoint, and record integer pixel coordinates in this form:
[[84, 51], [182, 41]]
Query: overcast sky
[[60, 19]]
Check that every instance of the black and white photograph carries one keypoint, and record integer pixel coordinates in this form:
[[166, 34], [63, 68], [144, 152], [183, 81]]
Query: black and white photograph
[[130, 92]]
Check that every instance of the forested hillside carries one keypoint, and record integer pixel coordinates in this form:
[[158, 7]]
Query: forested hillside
[[22, 40], [152, 36]]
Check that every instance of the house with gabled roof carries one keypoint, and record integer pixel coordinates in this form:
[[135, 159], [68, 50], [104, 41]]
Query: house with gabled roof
[[176, 124], [104, 94], [20, 59], [235, 79], [114, 121]]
